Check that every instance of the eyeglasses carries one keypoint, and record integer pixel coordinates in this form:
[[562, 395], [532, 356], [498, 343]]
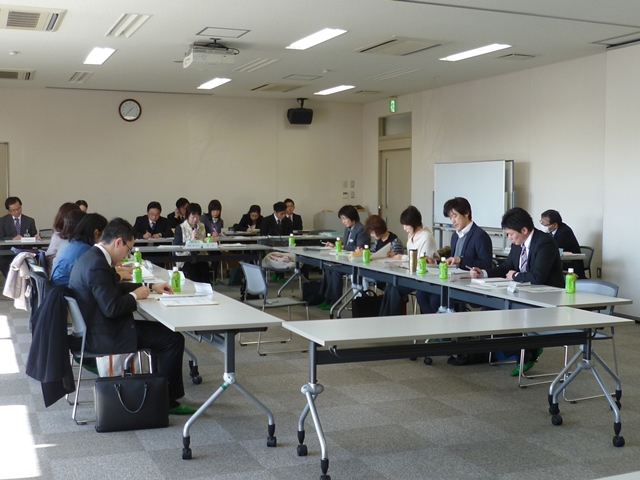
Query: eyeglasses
[[129, 248], [545, 224]]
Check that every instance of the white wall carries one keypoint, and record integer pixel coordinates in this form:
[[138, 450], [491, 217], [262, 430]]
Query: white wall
[[65, 145]]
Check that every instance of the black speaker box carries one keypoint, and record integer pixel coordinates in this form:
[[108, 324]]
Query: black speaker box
[[300, 116]]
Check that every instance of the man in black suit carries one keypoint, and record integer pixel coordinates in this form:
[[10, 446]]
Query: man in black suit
[[296, 220], [107, 306], [551, 222], [534, 258], [277, 224], [13, 226], [178, 216], [152, 225]]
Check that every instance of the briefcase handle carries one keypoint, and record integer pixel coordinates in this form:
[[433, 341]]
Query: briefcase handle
[[144, 397]]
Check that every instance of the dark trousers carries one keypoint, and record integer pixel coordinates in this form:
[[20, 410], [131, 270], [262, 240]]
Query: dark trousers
[[394, 300], [167, 349], [429, 302], [197, 272], [331, 286]]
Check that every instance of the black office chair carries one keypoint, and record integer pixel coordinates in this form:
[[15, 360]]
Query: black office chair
[[588, 251], [40, 286]]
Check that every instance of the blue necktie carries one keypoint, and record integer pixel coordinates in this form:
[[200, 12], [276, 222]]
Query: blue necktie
[[17, 220]]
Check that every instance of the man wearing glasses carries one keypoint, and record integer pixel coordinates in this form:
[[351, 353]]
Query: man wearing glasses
[[14, 225], [107, 306], [552, 223]]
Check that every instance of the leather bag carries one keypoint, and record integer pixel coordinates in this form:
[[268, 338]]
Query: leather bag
[[368, 305], [132, 402]]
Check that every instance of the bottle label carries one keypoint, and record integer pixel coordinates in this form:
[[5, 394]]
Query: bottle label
[[137, 275], [422, 266], [175, 282], [570, 283], [338, 246], [444, 271], [292, 242], [366, 256], [137, 256]]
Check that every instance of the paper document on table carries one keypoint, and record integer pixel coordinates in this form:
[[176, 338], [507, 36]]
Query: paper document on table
[[540, 289], [186, 300], [146, 274], [490, 280], [203, 288], [382, 253], [28, 239]]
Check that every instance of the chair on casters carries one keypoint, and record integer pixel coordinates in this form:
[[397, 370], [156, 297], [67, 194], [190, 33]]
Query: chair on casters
[[588, 251], [79, 330], [256, 285]]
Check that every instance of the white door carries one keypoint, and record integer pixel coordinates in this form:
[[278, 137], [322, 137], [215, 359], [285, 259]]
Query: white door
[[395, 188]]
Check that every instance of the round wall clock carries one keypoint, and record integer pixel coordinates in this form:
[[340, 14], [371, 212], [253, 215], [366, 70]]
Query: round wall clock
[[130, 110]]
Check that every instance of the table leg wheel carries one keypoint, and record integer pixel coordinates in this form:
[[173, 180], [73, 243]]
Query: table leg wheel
[[556, 420], [302, 450], [618, 441], [186, 454], [428, 360], [325, 477], [272, 442], [196, 379]]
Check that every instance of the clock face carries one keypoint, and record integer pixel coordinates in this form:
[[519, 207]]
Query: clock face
[[130, 110]]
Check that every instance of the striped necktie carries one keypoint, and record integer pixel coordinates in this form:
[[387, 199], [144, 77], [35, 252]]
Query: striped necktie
[[523, 259], [17, 220]]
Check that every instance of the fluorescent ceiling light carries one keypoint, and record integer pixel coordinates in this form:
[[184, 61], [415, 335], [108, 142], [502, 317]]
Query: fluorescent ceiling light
[[340, 88], [494, 47], [98, 56], [316, 38], [213, 83]]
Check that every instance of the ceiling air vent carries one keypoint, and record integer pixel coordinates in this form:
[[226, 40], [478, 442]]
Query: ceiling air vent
[[34, 19], [517, 56], [369, 92], [17, 74], [276, 87], [80, 77], [398, 46]]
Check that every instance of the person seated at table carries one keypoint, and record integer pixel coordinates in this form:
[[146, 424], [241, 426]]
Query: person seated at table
[[107, 305], [296, 220], [470, 247], [354, 239], [87, 233], [13, 226], [212, 220], [252, 220], [534, 258], [277, 224], [178, 216], [377, 228], [552, 223], [84, 206], [58, 224], [152, 225], [420, 239], [192, 229]]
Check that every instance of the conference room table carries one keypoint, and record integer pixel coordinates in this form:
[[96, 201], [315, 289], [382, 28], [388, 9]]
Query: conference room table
[[566, 257], [458, 287], [379, 338], [207, 252], [218, 326]]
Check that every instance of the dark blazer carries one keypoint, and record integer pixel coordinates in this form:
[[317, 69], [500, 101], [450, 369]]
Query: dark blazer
[[477, 250], [8, 227], [270, 226], [297, 221], [142, 226], [357, 238], [105, 303], [245, 222], [210, 226], [566, 239], [173, 220], [544, 265]]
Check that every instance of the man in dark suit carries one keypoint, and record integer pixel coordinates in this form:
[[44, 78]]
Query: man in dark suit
[[152, 225], [551, 222], [13, 226], [107, 306], [470, 247], [534, 258], [278, 223], [296, 220], [178, 216]]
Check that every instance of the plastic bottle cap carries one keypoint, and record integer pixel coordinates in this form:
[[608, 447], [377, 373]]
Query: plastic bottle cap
[[136, 249], [443, 259], [570, 270], [337, 239], [366, 246], [175, 269], [136, 264]]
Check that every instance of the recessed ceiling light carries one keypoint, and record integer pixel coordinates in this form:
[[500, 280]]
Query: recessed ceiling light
[[494, 47], [98, 56], [340, 88], [213, 83], [316, 38]]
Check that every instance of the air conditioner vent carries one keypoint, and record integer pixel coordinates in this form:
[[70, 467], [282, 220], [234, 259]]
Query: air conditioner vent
[[517, 56], [34, 19], [369, 92], [80, 77], [276, 87], [17, 74], [398, 46]]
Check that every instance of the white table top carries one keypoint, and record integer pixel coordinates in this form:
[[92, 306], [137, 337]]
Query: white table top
[[206, 247], [364, 331], [566, 256], [558, 298]]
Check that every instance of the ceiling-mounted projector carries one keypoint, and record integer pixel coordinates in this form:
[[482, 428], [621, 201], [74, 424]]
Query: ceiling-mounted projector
[[205, 55]]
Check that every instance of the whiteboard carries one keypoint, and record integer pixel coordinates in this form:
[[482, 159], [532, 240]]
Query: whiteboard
[[488, 185]]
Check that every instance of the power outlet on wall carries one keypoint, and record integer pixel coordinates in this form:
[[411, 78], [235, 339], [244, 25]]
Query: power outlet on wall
[[345, 194], [598, 272]]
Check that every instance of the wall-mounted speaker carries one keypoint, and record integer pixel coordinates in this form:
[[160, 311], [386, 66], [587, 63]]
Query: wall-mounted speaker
[[300, 116]]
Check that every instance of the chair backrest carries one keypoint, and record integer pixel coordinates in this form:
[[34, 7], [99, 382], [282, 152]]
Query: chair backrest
[[77, 320], [588, 251], [255, 282], [39, 281], [600, 287]]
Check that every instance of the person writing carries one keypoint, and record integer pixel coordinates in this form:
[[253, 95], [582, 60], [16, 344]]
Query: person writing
[[250, 221], [552, 223], [534, 258], [178, 216], [192, 229], [152, 225]]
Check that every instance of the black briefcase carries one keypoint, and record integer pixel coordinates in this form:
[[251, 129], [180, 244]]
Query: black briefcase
[[368, 305], [132, 402]]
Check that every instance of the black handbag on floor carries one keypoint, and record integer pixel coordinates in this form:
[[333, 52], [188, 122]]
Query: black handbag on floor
[[368, 305], [132, 402]]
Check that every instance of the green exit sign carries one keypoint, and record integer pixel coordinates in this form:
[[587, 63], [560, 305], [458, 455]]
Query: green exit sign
[[392, 105]]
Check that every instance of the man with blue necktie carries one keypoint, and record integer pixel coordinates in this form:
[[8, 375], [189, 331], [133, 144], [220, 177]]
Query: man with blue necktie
[[13, 226]]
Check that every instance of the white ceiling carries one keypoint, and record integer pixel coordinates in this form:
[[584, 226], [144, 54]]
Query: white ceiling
[[151, 59]]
